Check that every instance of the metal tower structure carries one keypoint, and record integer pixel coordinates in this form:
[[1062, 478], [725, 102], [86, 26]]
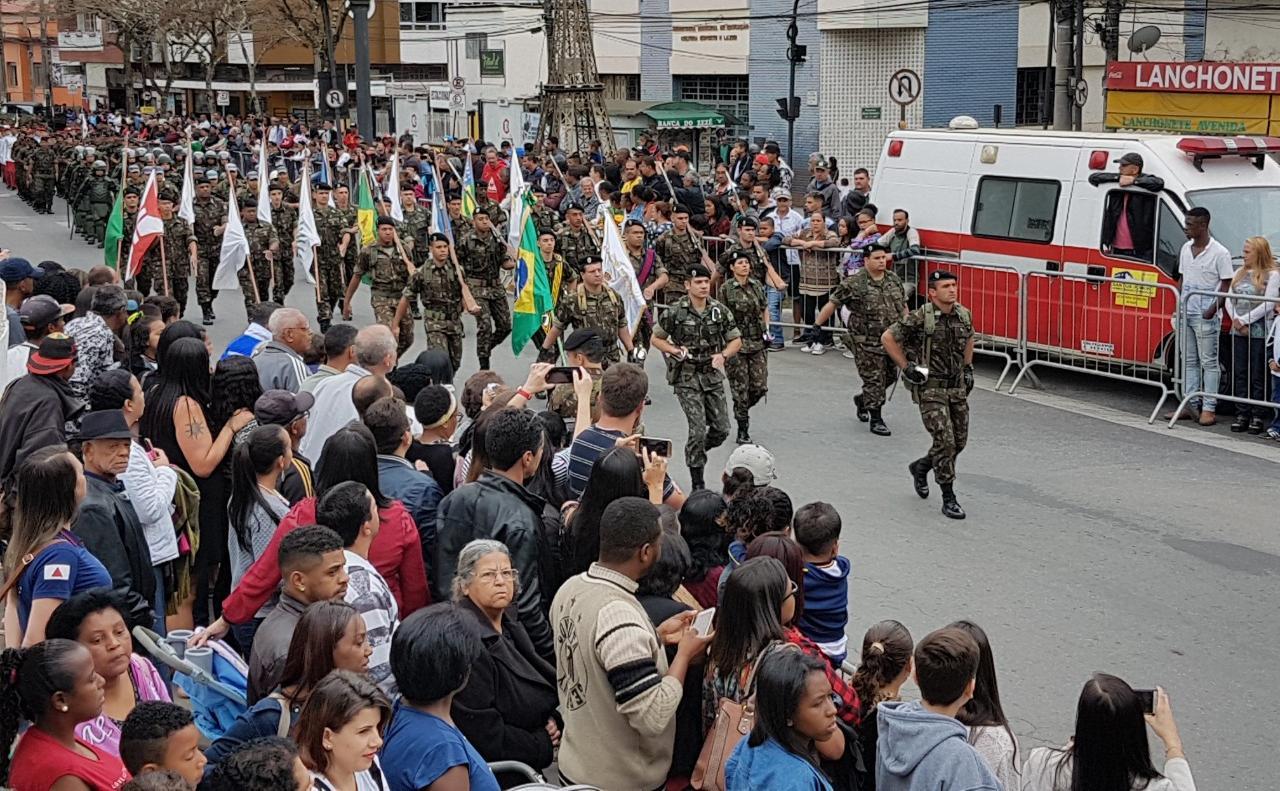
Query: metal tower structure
[[573, 95]]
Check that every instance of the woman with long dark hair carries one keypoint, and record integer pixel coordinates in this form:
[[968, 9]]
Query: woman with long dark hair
[[235, 385], [1108, 750], [795, 719], [349, 455], [989, 730], [614, 475], [701, 528], [255, 508], [884, 667], [144, 345]]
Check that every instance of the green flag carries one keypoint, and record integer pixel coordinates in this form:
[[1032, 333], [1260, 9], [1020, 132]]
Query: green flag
[[115, 231], [533, 291]]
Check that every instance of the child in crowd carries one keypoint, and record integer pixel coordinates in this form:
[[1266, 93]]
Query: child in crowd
[[826, 580], [159, 736]]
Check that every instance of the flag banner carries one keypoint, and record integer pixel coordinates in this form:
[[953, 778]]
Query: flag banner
[[533, 292], [264, 185], [440, 222], [307, 237], [366, 216], [516, 204], [619, 275], [187, 203], [468, 190], [392, 190], [146, 229], [115, 232], [235, 250]]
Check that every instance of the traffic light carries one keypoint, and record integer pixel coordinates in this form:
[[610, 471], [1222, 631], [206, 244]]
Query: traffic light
[[789, 108], [796, 53]]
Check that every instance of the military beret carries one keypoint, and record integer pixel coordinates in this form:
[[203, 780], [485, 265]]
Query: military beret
[[248, 203], [939, 276], [698, 270], [583, 338], [386, 221], [134, 191], [438, 237], [749, 222], [573, 207]]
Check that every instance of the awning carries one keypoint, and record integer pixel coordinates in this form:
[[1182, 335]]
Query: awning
[[688, 115]]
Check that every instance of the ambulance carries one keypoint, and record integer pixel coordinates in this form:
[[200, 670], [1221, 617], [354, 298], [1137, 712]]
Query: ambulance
[[1006, 206]]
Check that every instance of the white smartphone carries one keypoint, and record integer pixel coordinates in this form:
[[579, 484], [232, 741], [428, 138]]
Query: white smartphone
[[702, 623]]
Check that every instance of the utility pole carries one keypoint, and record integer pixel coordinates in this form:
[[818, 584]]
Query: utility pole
[[1062, 65], [46, 60], [1077, 72], [1111, 37], [789, 108], [328, 53], [4, 62], [364, 96]]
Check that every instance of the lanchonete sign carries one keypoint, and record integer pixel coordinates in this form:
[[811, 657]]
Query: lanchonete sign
[[1198, 77]]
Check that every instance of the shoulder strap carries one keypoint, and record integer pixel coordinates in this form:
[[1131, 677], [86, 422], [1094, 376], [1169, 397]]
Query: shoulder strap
[[966, 318], [286, 715], [749, 688], [647, 267]]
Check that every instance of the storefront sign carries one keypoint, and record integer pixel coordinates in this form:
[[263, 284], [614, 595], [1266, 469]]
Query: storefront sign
[[493, 63], [1198, 77], [1189, 113]]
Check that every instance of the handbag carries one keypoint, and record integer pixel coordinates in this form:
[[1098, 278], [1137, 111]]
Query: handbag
[[733, 721]]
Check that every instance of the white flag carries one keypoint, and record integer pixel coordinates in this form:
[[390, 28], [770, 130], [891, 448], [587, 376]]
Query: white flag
[[264, 187], [84, 126], [619, 274], [392, 190], [307, 236], [187, 203], [515, 210], [235, 249]]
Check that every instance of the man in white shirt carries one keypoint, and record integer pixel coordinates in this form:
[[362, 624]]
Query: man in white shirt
[[790, 223], [1204, 264], [334, 407]]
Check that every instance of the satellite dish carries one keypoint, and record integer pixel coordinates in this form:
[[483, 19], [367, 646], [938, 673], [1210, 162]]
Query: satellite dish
[[1144, 38]]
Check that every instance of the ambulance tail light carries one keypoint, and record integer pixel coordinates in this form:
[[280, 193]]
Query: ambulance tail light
[[1254, 148], [1098, 160], [895, 148]]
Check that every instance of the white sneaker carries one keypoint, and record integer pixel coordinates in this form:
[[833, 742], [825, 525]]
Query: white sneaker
[[848, 355], [818, 348], [807, 348]]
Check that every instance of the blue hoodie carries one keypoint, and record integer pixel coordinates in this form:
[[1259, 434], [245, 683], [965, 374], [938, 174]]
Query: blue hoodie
[[770, 766], [922, 751]]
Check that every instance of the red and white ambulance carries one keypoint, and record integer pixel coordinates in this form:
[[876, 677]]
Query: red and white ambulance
[[997, 204]]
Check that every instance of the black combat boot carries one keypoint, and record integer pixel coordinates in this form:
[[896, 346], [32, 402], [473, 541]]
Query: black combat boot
[[695, 478], [484, 363], [207, 317], [950, 508], [878, 426], [324, 325], [863, 414], [920, 477], [744, 435]]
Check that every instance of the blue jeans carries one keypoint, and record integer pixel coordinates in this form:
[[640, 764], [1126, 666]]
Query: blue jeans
[[775, 313], [1200, 347], [1275, 398]]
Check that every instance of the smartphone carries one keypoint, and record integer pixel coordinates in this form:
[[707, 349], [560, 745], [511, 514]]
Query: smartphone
[[151, 451], [561, 375], [702, 622], [1148, 699], [656, 446]]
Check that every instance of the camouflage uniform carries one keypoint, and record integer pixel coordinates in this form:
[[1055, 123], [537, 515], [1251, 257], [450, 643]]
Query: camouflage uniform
[[261, 236], [873, 306], [440, 292], [348, 219], [42, 176], [210, 213], [177, 242], [285, 220], [753, 252], [330, 284], [679, 252], [575, 246], [602, 311], [564, 402], [416, 226], [656, 269], [943, 399], [748, 370], [545, 219], [481, 257], [100, 193], [698, 384], [390, 276]]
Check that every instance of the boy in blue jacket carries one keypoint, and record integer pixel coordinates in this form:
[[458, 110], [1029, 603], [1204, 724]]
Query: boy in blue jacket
[[826, 579]]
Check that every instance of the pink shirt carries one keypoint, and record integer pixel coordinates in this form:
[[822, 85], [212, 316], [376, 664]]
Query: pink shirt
[[103, 733], [1124, 239]]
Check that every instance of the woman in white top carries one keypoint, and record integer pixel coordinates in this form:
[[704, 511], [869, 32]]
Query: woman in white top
[[340, 732], [1250, 322], [989, 730], [1109, 750]]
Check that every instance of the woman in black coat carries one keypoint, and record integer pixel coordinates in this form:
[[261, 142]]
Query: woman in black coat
[[507, 708]]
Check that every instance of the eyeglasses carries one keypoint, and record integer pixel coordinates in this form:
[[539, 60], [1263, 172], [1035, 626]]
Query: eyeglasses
[[508, 576], [794, 590]]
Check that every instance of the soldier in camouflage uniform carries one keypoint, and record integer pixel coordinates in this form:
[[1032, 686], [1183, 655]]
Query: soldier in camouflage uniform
[[416, 225], [335, 236], [544, 217], [387, 263], [436, 285], [100, 192], [574, 239], [748, 370], [264, 248], [651, 274], [347, 213], [591, 305], [933, 346], [584, 349], [698, 335], [483, 256], [454, 208], [285, 220], [181, 250], [211, 215], [746, 244], [43, 168], [875, 299], [128, 220], [680, 248]]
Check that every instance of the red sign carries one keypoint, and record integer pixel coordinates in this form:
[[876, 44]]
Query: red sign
[[1197, 77]]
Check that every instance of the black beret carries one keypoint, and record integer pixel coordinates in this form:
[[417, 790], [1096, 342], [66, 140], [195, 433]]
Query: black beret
[[386, 221], [438, 237], [939, 276], [698, 270], [582, 338]]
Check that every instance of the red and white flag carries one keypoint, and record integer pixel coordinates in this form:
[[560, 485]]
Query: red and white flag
[[147, 229]]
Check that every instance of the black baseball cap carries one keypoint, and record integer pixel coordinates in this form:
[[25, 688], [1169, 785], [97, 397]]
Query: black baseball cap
[[281, 407], [1131, 158]]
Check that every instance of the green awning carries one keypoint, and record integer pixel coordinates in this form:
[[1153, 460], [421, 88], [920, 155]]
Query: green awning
[[686, 115]]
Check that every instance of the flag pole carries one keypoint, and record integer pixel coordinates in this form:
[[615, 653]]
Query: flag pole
[[248, 259], [164, 267]]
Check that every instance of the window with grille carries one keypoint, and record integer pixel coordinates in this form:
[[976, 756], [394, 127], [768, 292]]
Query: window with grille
[[421, 15], [728, 92], [1035, 95]]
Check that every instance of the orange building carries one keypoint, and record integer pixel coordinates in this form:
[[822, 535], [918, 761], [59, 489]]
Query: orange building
[[26, 78]]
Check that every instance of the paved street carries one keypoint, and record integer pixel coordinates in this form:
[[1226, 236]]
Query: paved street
[[1093, 542]]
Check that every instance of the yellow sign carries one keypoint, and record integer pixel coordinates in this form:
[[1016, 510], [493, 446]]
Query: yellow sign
[[1132, 295], [1191, 113]]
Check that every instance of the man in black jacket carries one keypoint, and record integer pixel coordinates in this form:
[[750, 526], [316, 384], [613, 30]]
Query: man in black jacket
[[1129, 219], [107, 523], [498, 506], [35, 408]]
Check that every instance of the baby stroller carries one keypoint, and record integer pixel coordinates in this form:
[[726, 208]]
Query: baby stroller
[[213, 676], [536, 781]]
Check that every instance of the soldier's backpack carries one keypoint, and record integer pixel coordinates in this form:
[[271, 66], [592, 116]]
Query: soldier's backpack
[[930, 325]]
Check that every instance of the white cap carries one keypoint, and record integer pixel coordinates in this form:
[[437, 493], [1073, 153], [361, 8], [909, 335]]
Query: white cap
[[755, 458]]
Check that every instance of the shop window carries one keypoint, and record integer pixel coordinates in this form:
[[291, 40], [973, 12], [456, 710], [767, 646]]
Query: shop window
[[1020, 209]]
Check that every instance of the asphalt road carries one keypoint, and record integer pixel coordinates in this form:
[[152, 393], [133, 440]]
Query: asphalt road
[[1094, 542]]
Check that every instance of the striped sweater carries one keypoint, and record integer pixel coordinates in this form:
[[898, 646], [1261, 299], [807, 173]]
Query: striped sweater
[[618, 704]]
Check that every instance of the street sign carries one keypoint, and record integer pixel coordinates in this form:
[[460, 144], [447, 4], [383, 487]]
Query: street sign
[[372, 7], [1081, 93], [871, 113], [904, 87], [334, 99], [224, 98], [456, 100], [458, 84]]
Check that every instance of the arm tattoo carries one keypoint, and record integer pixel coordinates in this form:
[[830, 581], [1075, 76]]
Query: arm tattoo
[[194, 429]]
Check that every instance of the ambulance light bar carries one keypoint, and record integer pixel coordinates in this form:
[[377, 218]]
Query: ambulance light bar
[[1202, 148]]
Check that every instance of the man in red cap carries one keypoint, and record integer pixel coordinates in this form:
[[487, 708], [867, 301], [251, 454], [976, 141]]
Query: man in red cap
[[36, 408]]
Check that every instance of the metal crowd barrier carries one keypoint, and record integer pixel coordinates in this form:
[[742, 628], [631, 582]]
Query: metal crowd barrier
[[1241, 362]]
